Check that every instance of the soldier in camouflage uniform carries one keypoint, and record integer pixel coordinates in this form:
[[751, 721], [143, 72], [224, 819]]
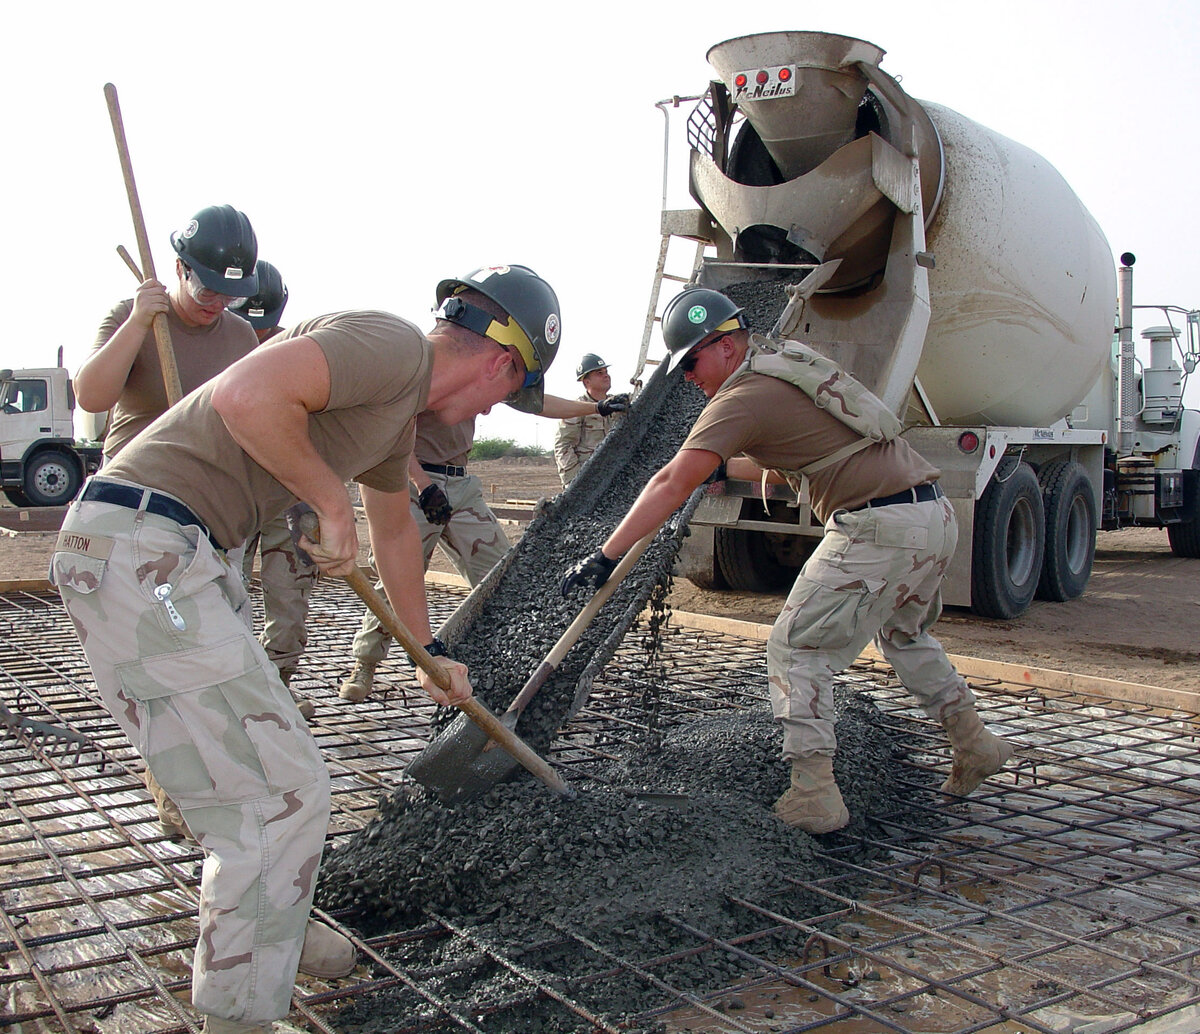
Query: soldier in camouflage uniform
[[578, 437], [889, 534], [162, 614], [286, 576]]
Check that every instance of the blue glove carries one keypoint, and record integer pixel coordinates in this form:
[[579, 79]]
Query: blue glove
[[594, 569]]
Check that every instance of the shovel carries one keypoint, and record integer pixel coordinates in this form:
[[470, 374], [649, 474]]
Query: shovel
[[488, 725], [461, 762]]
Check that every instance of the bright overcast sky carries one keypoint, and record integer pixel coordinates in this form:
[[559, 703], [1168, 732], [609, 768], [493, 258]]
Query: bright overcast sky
[[379, 148]]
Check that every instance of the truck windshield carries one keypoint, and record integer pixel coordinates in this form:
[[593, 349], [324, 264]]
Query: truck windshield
[[23, 396]]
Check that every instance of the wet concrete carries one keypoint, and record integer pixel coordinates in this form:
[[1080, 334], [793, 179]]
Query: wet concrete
[[680, 820], [664, 831]]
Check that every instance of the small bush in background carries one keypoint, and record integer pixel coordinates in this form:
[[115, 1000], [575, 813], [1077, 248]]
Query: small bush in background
[[503, 448]]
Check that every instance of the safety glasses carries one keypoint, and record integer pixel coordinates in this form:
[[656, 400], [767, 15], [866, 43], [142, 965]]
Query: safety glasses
[[202, 294]]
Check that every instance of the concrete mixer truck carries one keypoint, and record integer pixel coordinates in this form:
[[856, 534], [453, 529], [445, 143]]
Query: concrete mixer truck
[[957, 275]]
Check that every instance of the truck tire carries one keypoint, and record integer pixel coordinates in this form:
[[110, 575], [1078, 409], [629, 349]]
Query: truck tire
[[1070, 509], [52, 478], [746, 563], [16, 497], [1185, 536], [1010, 534]]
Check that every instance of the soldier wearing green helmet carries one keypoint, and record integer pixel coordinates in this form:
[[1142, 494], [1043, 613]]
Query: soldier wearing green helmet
[[782, 409]]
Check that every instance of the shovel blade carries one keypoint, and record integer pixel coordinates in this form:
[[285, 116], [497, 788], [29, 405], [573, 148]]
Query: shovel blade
[[459, 765]]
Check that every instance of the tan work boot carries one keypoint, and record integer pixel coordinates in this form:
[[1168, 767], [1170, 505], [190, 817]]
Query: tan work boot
[[977, 753], [360, 683], [326, 953], [216, 1025], [813, 802], [170, 818], [305, 706]]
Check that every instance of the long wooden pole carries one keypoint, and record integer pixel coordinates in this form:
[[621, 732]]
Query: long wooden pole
[[162, 332], [476, 710]]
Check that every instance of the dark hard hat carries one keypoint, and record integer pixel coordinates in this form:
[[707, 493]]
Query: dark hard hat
[[694, 314], [219, 244], [265, 308], [590, 363], [534, 326]]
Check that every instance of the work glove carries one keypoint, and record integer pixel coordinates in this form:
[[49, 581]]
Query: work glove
[[292, 515], [613, 404], [435, 505], [595, 569]]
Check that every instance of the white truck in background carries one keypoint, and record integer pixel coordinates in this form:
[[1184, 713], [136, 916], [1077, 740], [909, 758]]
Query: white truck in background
[[957, 275], [42, 462]]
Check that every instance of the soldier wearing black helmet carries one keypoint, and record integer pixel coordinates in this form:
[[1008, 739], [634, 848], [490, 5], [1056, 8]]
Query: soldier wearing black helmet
[[578, 437], [447, 500], [265, 308], [214, 267], [783, 409], [333, 398]]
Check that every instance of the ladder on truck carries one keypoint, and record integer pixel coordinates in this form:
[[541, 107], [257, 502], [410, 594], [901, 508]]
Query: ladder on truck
[[684, 225]]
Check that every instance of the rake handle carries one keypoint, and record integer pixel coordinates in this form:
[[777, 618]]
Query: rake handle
[[575, 629], [162, 332]]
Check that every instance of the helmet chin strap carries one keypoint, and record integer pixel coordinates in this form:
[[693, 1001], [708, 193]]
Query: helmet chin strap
[[475, 319]]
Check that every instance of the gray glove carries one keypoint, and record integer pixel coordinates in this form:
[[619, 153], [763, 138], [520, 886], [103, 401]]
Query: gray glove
[[292, 515], [613, 404], [594, 569], [435, 505]]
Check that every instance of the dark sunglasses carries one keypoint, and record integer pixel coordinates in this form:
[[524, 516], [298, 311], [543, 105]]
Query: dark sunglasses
[[689, 364]]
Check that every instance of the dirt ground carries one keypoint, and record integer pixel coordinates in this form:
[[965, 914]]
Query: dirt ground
[[1138, 621]]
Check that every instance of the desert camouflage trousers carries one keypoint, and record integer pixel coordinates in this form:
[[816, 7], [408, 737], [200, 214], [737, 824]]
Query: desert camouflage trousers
[[163, 619], [876, 575], [473, 540], [287, 582]]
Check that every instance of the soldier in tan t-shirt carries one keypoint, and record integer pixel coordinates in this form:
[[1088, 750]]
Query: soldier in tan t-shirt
[[889, 534], [163, 615], [215, 267]]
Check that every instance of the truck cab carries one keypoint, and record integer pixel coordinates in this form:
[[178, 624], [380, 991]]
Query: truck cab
[[41, 463]]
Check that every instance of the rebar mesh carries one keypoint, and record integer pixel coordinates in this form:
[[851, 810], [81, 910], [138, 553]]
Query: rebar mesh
[[1064, 895]]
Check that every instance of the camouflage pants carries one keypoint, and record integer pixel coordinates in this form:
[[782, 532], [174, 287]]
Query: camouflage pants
[[876, 575], [287, 583], [473, 540], [162, 617]]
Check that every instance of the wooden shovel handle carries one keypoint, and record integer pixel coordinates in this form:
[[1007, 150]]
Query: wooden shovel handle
[[474, 709], [575, 630], [162, 333]]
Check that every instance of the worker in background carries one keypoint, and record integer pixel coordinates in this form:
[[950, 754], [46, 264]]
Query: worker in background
[[142, 569], [287, 576], [889, 534], [578, 436], [214, 268], [450, 511]]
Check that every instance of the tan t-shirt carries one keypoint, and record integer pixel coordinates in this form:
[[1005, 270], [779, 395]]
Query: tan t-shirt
[[447, 445], [781, 428], [200, 354], [379, 372]]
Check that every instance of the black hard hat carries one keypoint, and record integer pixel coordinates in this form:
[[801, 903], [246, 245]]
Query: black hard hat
[[219, 244], [534, 326], [265, 308], [590, 363], [694, 314]]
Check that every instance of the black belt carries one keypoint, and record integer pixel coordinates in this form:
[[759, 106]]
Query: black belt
[[161, 505], [917, 494], [450, 472]]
